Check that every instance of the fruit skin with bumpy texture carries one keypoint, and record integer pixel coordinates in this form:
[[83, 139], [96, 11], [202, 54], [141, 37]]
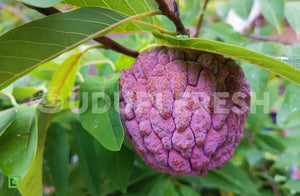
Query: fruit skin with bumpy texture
[[184, 110]]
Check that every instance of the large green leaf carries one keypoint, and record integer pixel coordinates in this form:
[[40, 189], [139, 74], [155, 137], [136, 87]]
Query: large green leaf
[[33, 44], [6, 118], [242, 7], [129, 8], [266, 62], [41, 3], [99, 110], [19, 143], [57, 158], [273, 11], [292, 14]]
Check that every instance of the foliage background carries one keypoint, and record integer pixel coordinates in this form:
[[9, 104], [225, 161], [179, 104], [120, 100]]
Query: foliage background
[[87, 154]]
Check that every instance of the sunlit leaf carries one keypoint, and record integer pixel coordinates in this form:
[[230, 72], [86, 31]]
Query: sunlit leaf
[[64, 78]]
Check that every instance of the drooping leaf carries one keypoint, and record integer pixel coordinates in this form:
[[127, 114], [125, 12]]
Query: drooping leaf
[[242, 7], [266, 62], [57, 158], [292, 14], [273, 11], [35, 43], [99, 111], [41, 3], [19, 143], [6, 118], [129, 8], [88, 159]]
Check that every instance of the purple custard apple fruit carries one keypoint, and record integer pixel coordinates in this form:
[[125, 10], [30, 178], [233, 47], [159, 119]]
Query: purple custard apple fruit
[[184, 110]]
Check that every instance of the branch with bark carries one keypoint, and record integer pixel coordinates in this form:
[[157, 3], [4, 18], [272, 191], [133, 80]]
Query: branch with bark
[[106, 41], [172, 15], [199, 23]]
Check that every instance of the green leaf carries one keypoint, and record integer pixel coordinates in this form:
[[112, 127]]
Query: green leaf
[[67, 31], [64, 78], [19, 143], [57, 158], [290, 51], [21, 93], [258, 79], [6, 118], [188, 11], [88, 159], [222, 7], [229, 177], [289, 112], [99, 103], [129, 8], [118, 167], [273, 11], [293, 185], [188, 190], [164, 187], [292, 14], [269, 143], [124, 62], [242, 7], [226, 33], [41, 3], [32, 182], [254, 156], [268, 63]]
